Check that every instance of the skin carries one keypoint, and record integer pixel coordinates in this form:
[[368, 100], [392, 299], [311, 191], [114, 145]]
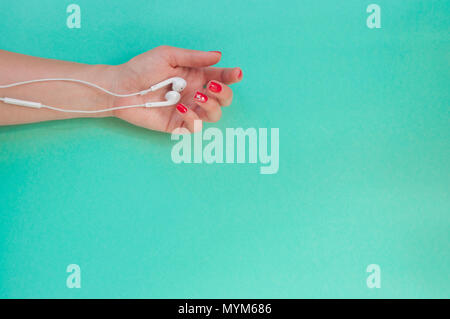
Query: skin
[[137, 74]]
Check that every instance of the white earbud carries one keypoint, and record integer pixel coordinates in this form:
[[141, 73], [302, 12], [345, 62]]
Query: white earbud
[[178, 84], [172, 97]]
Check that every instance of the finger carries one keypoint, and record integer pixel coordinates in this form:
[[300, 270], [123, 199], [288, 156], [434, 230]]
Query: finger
[[210, 105], [220, 91], [224, 75], [189, 58], [190, 119]]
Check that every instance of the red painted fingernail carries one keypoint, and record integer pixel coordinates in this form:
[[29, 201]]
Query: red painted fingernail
[[181, 108], [216, 52], [200, 97], [215, 87], [240, 74]]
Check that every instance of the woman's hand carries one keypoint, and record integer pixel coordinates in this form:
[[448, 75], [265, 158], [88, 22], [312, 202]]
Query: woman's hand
[[202, 99], [206, 92]]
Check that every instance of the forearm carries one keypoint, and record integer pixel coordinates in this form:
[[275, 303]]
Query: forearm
[[16, 67]]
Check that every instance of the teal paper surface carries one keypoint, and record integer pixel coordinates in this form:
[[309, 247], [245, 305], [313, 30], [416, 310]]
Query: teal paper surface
[[364, 178]]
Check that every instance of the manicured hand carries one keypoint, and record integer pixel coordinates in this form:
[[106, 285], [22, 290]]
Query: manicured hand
[[206, 93]]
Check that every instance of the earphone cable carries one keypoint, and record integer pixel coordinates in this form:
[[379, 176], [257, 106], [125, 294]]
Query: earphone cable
[[76, 81], [172, 97]]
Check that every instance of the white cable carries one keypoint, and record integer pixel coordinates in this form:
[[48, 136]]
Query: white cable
[[77, 81], [172, 97], [37, 105], [95, 111]]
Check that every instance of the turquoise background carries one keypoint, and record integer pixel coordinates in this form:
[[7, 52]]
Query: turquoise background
[[364, 152]]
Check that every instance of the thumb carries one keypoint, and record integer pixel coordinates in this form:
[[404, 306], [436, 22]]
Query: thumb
[[189, 58]]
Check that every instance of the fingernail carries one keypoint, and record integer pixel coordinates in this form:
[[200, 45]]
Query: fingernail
[[215, 87], [216, 52], [240, 74], [181, 108], [200, 97]]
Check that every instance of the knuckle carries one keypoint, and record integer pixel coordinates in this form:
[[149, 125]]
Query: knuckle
[[214, 119], [229, 99], [215, 116], [162, 47], [226, 96], [212, 105]]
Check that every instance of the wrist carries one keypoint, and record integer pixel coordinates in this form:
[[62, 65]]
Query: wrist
[[104, 76], [59, 94]]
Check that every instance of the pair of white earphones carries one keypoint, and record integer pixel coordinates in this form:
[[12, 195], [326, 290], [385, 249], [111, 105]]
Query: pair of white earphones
[[172, 97]]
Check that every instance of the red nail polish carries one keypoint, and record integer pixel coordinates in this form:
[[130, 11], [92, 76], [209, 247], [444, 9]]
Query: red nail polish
[[240, 74], [215, 87], [216, 52], [181, 108], [200, 97]]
